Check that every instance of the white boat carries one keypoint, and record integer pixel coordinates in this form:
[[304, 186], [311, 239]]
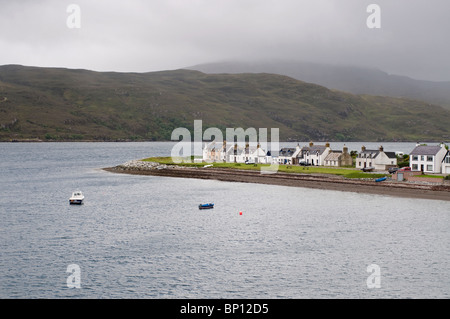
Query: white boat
[[76, 198]]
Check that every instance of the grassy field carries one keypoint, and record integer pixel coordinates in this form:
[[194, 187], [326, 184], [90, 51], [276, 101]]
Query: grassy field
[[345, 172]]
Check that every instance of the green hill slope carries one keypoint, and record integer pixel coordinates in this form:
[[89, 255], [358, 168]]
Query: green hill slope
[[64, 104]]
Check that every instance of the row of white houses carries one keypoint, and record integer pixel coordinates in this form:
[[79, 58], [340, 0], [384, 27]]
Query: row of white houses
[[317, 155], [428, 159]]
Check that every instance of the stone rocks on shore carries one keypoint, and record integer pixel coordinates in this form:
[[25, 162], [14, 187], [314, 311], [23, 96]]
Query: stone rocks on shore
[[138, 165]]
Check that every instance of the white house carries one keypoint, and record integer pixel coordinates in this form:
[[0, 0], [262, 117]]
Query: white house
[[255, 154], [288, 155], [378, 159], [427, 159], [446, 164], [314, 154]]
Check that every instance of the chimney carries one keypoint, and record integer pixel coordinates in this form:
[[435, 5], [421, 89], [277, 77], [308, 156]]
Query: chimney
[[311, 144], [345, 149], [381, 148], [363, 148], [327, 145]]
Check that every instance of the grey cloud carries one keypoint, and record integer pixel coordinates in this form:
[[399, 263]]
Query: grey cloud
[[142, 36]]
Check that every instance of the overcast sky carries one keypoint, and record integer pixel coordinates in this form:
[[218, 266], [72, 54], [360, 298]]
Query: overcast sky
[[151, 35]]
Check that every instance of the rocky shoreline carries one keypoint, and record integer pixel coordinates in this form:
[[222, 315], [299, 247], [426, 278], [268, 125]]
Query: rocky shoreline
[[317, 181]]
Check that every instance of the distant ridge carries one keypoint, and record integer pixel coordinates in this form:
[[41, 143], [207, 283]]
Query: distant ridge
[[57, 104], [356, 80]]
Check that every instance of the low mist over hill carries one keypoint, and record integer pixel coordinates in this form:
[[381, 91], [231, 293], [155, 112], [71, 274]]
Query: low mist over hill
[[356, 80], [66, 104]]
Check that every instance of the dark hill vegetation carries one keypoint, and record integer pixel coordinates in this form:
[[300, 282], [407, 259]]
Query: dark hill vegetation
[[65, 104]]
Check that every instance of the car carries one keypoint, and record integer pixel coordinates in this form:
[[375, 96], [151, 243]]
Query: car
[[404, 169], [392, 170], [303, 163]]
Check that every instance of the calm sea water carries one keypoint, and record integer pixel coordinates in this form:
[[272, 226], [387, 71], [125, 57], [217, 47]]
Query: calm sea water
[[144, 237]]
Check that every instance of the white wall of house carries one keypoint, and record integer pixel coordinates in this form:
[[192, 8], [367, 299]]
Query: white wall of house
[[284, 160], [446, 164], [362, 162], [382, 160]]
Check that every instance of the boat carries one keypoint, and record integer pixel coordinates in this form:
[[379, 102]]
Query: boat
[[380, 179], [206, 206], [76, 198]]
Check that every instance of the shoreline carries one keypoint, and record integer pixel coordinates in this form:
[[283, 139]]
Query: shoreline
[[315, 181]]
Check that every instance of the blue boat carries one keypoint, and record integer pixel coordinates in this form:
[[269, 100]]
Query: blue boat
[[206, 206], [380, 179]]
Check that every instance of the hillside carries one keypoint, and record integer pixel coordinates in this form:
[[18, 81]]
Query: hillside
[[65, 104], [355, 80]]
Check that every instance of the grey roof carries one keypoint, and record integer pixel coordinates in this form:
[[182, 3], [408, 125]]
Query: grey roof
[[372, 153], [390, 154], [314, 149], [333, 156], [425, 150], [287, 152]]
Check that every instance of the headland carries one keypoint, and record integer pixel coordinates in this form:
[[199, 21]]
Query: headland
[[434, 191]]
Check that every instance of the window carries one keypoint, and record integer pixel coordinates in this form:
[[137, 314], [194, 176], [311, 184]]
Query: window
[[415, 158], [422, 158], [415, 167], [447, 160], [359, 164], [429, 158], [429, 167]]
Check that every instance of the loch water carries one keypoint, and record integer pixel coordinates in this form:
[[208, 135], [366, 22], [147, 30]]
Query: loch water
[[144, 236]]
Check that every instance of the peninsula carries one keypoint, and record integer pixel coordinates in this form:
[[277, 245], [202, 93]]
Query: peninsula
[[293, 176]]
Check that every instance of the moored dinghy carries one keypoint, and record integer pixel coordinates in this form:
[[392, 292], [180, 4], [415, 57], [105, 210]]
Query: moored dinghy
[[206, 206]]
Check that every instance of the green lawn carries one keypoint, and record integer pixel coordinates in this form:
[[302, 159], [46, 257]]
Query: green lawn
[[347, 173], [432, 176]]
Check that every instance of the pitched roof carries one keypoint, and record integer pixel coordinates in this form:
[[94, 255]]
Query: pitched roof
[[425, 150], [369, 153], [287, 152], [314, 149], [333, 156], [390, 154]]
